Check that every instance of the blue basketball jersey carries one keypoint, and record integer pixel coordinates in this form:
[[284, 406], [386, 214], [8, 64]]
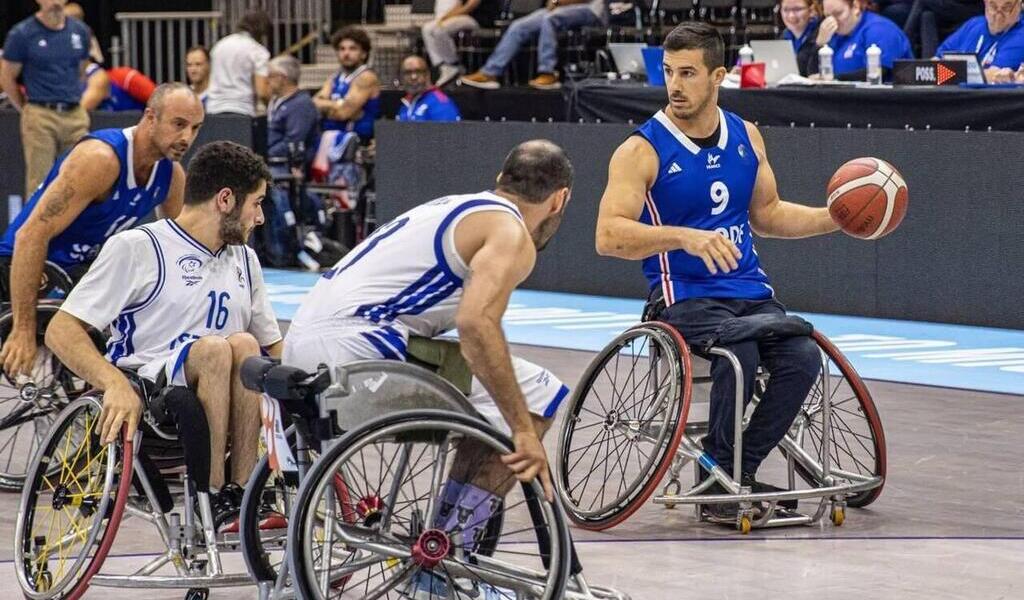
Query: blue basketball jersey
[[708, 189], [364, 124], [127, 203]]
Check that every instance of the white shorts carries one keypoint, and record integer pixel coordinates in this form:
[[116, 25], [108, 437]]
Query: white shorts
[[171, 364], [543, 391]]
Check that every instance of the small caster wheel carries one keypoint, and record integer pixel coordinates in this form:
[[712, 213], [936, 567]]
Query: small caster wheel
[[670, 505], [197, 594], [838, 516], [744, 525]]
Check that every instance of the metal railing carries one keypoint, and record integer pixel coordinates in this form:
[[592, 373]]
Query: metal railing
[[292, 20], [155, 42]]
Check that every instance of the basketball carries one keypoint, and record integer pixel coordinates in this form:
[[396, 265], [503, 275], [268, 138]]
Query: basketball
[[867, 198]]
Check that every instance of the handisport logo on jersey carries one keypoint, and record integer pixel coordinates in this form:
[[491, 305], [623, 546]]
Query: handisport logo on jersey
[[190, 265]]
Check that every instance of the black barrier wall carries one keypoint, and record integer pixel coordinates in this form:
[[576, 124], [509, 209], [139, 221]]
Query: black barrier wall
[[958, 257], [235, 128]]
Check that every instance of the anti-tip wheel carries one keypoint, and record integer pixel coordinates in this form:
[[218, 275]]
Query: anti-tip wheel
[[838, 516]]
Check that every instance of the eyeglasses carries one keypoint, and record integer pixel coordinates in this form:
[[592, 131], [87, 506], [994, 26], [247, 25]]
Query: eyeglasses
[[411, 72]]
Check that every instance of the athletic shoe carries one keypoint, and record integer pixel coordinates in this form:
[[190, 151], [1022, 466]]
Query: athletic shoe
[[762, 488], [545, 81], [447, 74], [480, 80], [226, 505]]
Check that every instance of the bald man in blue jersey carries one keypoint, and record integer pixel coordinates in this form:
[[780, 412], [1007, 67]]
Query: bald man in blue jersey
[[685, 195]]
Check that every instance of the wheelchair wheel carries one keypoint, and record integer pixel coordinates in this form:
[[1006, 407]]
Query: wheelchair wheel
[[72, 504], [28, 406], [624, 425], [394, 468], [264, 538], [858, 441]]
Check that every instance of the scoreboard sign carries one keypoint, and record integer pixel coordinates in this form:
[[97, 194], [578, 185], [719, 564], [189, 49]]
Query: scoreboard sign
[[929, 72]]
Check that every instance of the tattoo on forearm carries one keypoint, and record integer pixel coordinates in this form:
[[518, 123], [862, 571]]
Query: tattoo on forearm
[[58, 203]]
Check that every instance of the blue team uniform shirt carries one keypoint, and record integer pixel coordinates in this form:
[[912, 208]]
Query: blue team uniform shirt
[[798, 42], [50, 59], [127, 203], [431, 105], [371, 110], [1005, 50], [850, 50], [708, 189]]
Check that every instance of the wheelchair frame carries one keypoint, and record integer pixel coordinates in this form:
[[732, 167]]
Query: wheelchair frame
[[831, 485]]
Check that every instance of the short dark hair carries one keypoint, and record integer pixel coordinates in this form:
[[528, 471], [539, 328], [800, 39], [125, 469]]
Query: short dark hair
[[694, 35], [355, 34], [220, 165], [199, 48], [534, 170], [256, 23]]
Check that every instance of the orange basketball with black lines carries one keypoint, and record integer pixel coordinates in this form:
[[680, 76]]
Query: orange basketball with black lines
[[867, 198]]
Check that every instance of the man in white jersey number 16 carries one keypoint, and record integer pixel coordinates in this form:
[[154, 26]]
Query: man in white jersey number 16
[[186, 305], [685, 194], [453, 263]]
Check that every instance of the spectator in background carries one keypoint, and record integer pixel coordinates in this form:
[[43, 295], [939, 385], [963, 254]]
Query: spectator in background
[[997, 37], [197, 69], [74, 9], [50, 52], [350, 99], [439, 34], [423, 101], [291, 141], [238, 68], [801, 18], [544, 24], [117, 89], [850, 31]]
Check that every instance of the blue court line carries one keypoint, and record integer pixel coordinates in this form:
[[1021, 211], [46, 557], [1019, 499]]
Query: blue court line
[[954, 356]]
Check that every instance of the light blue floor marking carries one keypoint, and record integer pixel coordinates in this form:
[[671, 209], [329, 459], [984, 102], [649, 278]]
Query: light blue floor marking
[[957, 356]]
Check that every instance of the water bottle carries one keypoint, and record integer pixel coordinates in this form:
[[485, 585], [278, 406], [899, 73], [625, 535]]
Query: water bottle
[[825, 63], [874, 65], [746, 55]]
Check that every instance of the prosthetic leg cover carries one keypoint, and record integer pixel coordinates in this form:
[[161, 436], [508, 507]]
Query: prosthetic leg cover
[[193, 433]]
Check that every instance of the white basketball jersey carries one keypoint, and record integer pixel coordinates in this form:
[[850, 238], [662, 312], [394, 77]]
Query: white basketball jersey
[[159, 288], [407, 274]]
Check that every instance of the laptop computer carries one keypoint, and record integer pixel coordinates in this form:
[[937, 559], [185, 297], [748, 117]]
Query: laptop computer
[[629, 59], [778, 58]]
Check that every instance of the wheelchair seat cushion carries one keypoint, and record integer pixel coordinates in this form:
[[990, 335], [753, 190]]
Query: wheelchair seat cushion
[[443, 357], [758, 327]]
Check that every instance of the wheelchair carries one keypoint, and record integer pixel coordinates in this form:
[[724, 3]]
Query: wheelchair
[[360, 523], [631, 421], [29, 405], [79, 492]]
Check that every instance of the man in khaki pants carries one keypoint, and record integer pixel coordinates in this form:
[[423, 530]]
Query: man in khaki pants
[[49, 51]]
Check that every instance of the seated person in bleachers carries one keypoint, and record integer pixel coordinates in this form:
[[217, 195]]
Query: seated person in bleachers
[[543, 24], [850, 31], [117, 89], [997, 37], [423, 101], [349, 102], [292, 131], [801, 18], [197, 69], [453, 17]]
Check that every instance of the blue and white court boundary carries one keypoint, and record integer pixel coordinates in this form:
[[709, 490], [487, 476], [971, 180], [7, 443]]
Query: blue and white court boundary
[[956, 356]]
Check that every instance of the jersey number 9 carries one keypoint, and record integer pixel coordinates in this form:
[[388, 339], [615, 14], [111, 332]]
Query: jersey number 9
[[720, 197]]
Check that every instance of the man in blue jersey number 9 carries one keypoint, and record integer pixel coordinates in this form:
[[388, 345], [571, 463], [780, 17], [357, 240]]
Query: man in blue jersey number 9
[[686, 193]]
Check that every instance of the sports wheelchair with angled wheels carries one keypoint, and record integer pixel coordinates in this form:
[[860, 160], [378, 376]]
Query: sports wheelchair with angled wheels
[[631, 421], [362, 523], [78, 493], [29, 404]]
